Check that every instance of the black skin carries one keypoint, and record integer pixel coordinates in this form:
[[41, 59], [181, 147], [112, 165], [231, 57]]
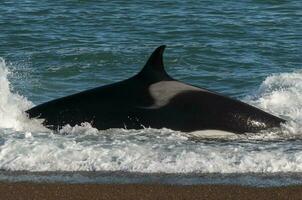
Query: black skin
[[128, 104]]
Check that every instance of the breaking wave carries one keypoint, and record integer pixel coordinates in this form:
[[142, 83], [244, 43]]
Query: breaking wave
[[13, 105], [281, 94], [26, 145]]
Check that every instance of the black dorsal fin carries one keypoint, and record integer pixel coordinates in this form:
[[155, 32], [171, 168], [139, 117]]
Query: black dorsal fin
[[154, 68]]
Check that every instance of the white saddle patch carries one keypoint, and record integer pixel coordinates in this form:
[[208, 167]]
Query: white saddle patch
[[162, 92]]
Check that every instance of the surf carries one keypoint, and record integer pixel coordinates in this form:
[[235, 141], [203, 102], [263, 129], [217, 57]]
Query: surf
[[27, 147]]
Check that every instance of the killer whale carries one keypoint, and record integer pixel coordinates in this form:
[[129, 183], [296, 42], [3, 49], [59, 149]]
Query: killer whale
[[154, 99]]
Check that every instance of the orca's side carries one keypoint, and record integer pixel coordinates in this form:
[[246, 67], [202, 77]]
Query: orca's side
[[153, 99]]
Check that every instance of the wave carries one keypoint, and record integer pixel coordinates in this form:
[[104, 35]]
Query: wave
[[13, 105], [146, 151], [281, 94], [26, 145]]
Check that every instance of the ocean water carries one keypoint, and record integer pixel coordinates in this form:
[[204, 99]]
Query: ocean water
[[249, 50]]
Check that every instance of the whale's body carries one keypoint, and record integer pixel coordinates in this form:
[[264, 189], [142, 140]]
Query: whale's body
[[153, 99]]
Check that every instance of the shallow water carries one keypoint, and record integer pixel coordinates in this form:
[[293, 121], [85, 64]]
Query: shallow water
[[250, 51]]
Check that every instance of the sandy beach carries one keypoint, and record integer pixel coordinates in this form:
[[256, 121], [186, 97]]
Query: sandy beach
[[47, 191]]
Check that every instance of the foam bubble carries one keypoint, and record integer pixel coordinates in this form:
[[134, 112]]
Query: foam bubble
[[150, 151], [26, 145], [12, 105], [85, 128], [281, 94]]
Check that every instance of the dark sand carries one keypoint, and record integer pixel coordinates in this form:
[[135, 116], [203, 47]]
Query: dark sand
[[145, 192]]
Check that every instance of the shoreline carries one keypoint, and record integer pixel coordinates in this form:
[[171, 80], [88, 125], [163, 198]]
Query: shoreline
[[47, 191]]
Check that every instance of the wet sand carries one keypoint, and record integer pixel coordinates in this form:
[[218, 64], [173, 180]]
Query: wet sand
[[56, 191]]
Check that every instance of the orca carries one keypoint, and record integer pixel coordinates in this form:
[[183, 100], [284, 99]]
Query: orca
[[154, 99]]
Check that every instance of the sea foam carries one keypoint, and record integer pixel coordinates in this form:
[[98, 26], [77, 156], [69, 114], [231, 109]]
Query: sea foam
[[13, 106], [26, 145], [281, 94]]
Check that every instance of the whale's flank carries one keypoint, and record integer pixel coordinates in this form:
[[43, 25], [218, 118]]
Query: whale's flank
[[153, 99]]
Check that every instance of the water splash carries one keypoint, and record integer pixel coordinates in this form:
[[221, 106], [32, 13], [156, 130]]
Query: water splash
[[281, 94], [26, 145], [12, 105]]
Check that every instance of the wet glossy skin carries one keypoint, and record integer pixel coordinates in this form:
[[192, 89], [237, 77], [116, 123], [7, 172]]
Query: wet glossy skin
[[153, 99]]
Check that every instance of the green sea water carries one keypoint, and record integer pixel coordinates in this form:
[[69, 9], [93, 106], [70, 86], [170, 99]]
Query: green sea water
[[249, 49], [61, 47]]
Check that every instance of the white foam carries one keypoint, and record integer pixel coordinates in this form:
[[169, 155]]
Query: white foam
[[149, 151], [25, 145], [12, 105], [281, 94]]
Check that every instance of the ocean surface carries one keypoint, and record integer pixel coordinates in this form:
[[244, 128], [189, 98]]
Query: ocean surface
[[248, 50]]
